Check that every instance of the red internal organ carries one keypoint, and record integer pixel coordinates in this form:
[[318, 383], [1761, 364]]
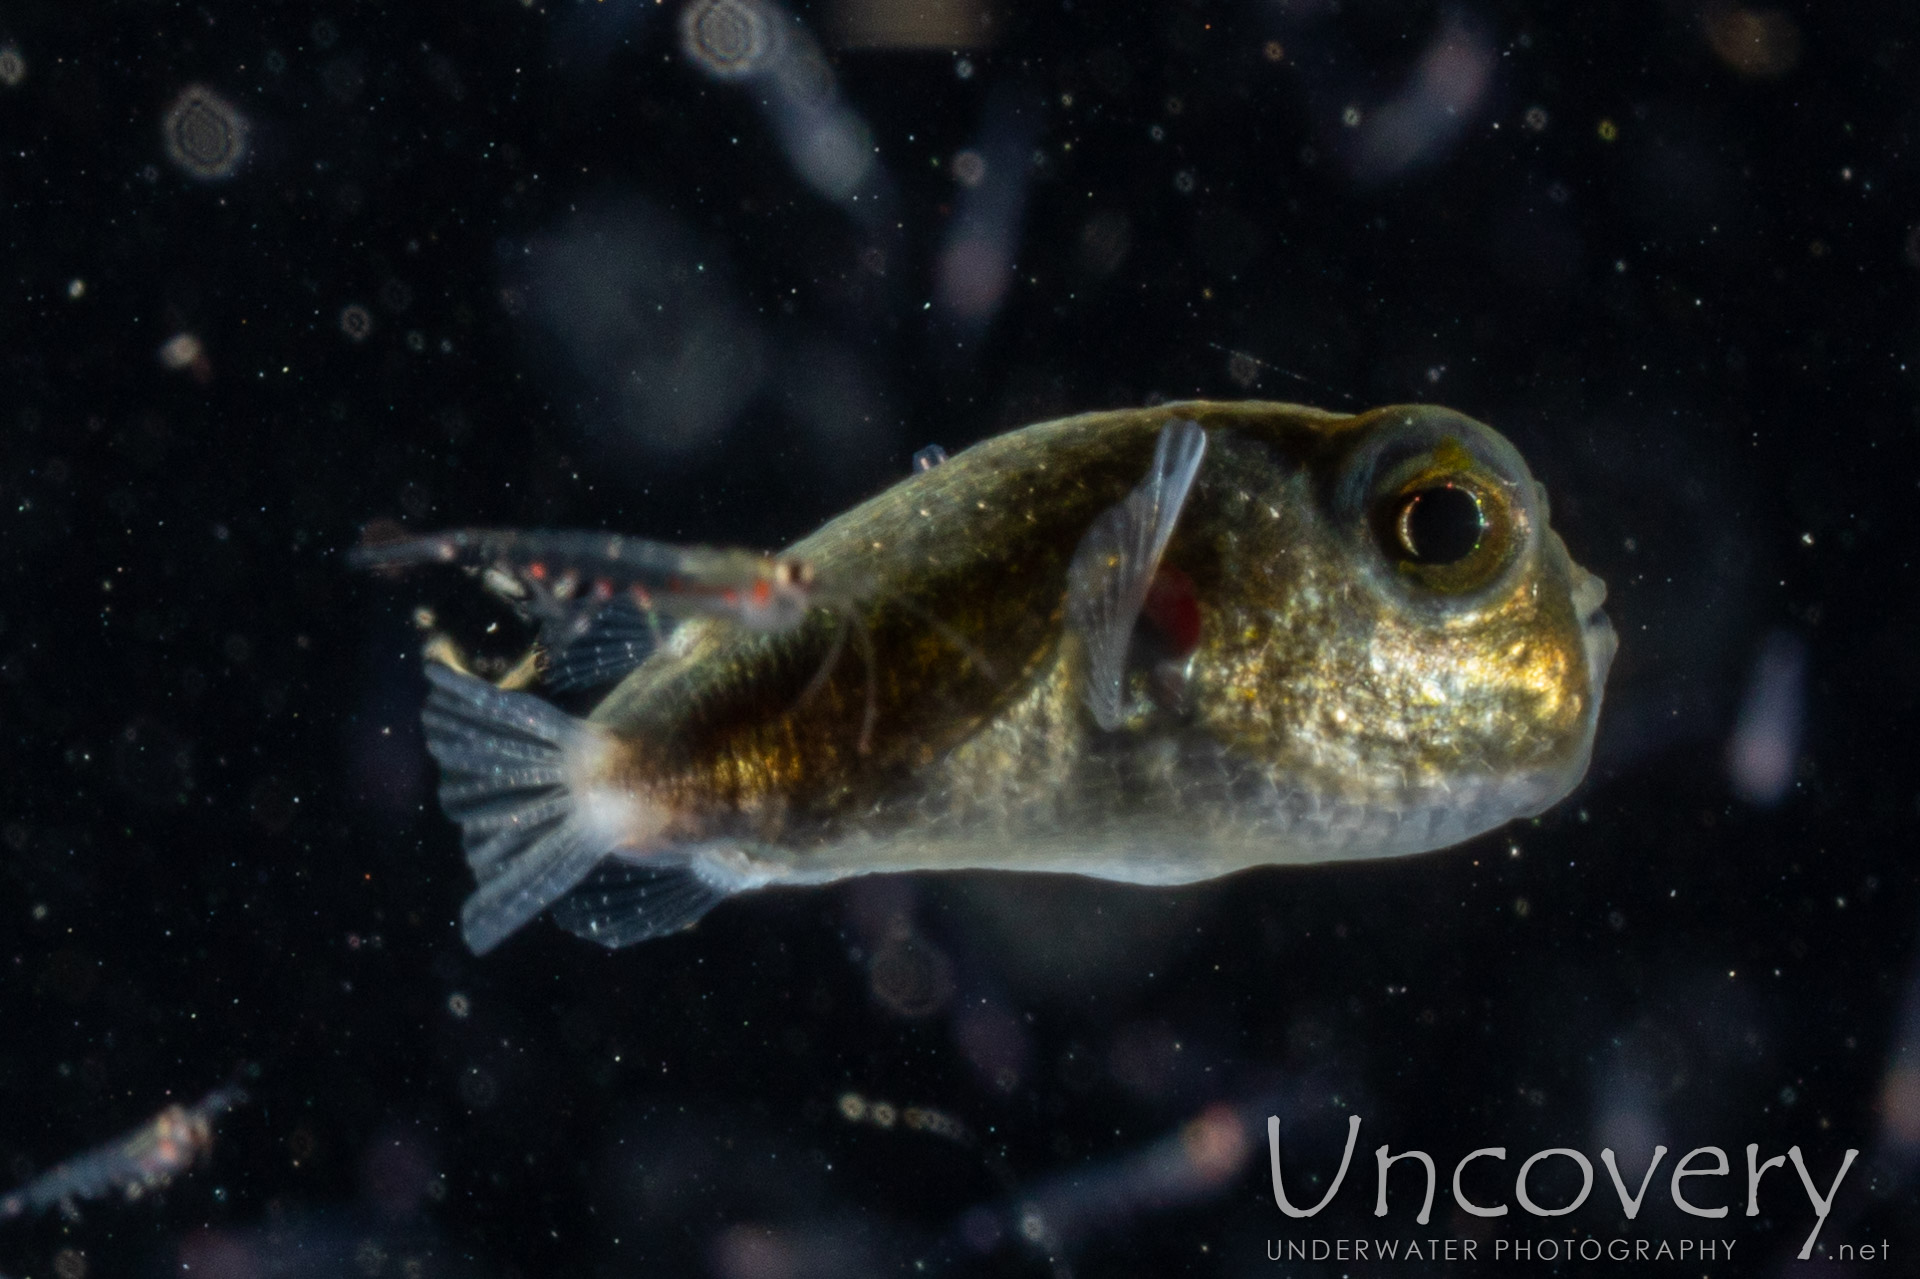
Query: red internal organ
[[1172, 608]]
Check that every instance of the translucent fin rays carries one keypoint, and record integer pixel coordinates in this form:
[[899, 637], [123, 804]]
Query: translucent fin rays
[[1114, 565]]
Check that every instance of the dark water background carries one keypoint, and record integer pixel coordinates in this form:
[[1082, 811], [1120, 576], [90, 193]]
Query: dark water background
[[1670, 251]]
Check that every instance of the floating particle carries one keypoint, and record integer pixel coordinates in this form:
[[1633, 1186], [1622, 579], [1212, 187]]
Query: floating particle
[[928, 458], [730, 38], [1351, 117], [204, 134], [417, 501], [1183, 182], [805, 78], [477, 1088], [356, 322], [856, 1109], [344, 77], [948, 25], [13, 65], [1105, 241], [1422, 121], [963, 68], [633, 300], [910, 977], [70, 1263], [1765, 745], [973, 275], [1215, 1144], [1608, 130], [1157, 133], [1174, 105], [928, 1120], [182, 351], [1900, 1105], [831, 149], [459, 1005], [1243, 369], [1273, 51], [1761, 43], [969, 168], [1535, 119], [416, 341], [76, 289]]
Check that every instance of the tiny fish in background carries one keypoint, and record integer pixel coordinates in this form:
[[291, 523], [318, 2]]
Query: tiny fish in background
[[1153, 646], [569, 577], [143, 1160]]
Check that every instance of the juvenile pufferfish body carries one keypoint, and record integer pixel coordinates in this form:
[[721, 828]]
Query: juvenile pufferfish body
[[1393, 653]]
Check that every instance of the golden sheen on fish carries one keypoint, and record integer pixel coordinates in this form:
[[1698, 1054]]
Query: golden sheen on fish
[[1154, 646]]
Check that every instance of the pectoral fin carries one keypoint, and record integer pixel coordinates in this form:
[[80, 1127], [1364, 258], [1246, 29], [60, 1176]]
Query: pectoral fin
[[1113, 568]]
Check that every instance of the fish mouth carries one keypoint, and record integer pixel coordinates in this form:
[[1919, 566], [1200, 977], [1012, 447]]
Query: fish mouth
[[1596, 631], [1601, 642]]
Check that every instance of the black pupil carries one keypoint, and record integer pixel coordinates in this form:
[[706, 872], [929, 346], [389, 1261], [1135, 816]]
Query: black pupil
[[1440, 525]]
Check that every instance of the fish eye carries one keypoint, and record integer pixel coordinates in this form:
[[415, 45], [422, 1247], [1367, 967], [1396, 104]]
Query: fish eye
[[1445, 520], [1439, 525]]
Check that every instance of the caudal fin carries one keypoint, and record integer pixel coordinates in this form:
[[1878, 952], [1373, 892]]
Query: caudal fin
[[511, 771]]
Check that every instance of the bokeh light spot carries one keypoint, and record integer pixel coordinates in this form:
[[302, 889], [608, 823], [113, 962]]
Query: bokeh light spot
[[204, 134]]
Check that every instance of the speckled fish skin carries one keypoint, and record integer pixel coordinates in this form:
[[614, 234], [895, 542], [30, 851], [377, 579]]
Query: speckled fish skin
[[1339, 705]]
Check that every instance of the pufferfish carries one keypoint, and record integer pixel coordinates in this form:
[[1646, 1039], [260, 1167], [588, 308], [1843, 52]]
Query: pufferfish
[[1154, 646]]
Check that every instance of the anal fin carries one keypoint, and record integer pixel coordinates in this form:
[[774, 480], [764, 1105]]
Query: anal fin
[[621, 903]]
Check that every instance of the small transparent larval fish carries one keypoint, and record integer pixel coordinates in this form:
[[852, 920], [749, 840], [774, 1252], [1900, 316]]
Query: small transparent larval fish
[[1153, 646], [133, 1164], [569, 577]]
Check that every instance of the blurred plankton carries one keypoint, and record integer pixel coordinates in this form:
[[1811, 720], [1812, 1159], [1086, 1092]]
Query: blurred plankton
[[140, 1161], [1153, 646]]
